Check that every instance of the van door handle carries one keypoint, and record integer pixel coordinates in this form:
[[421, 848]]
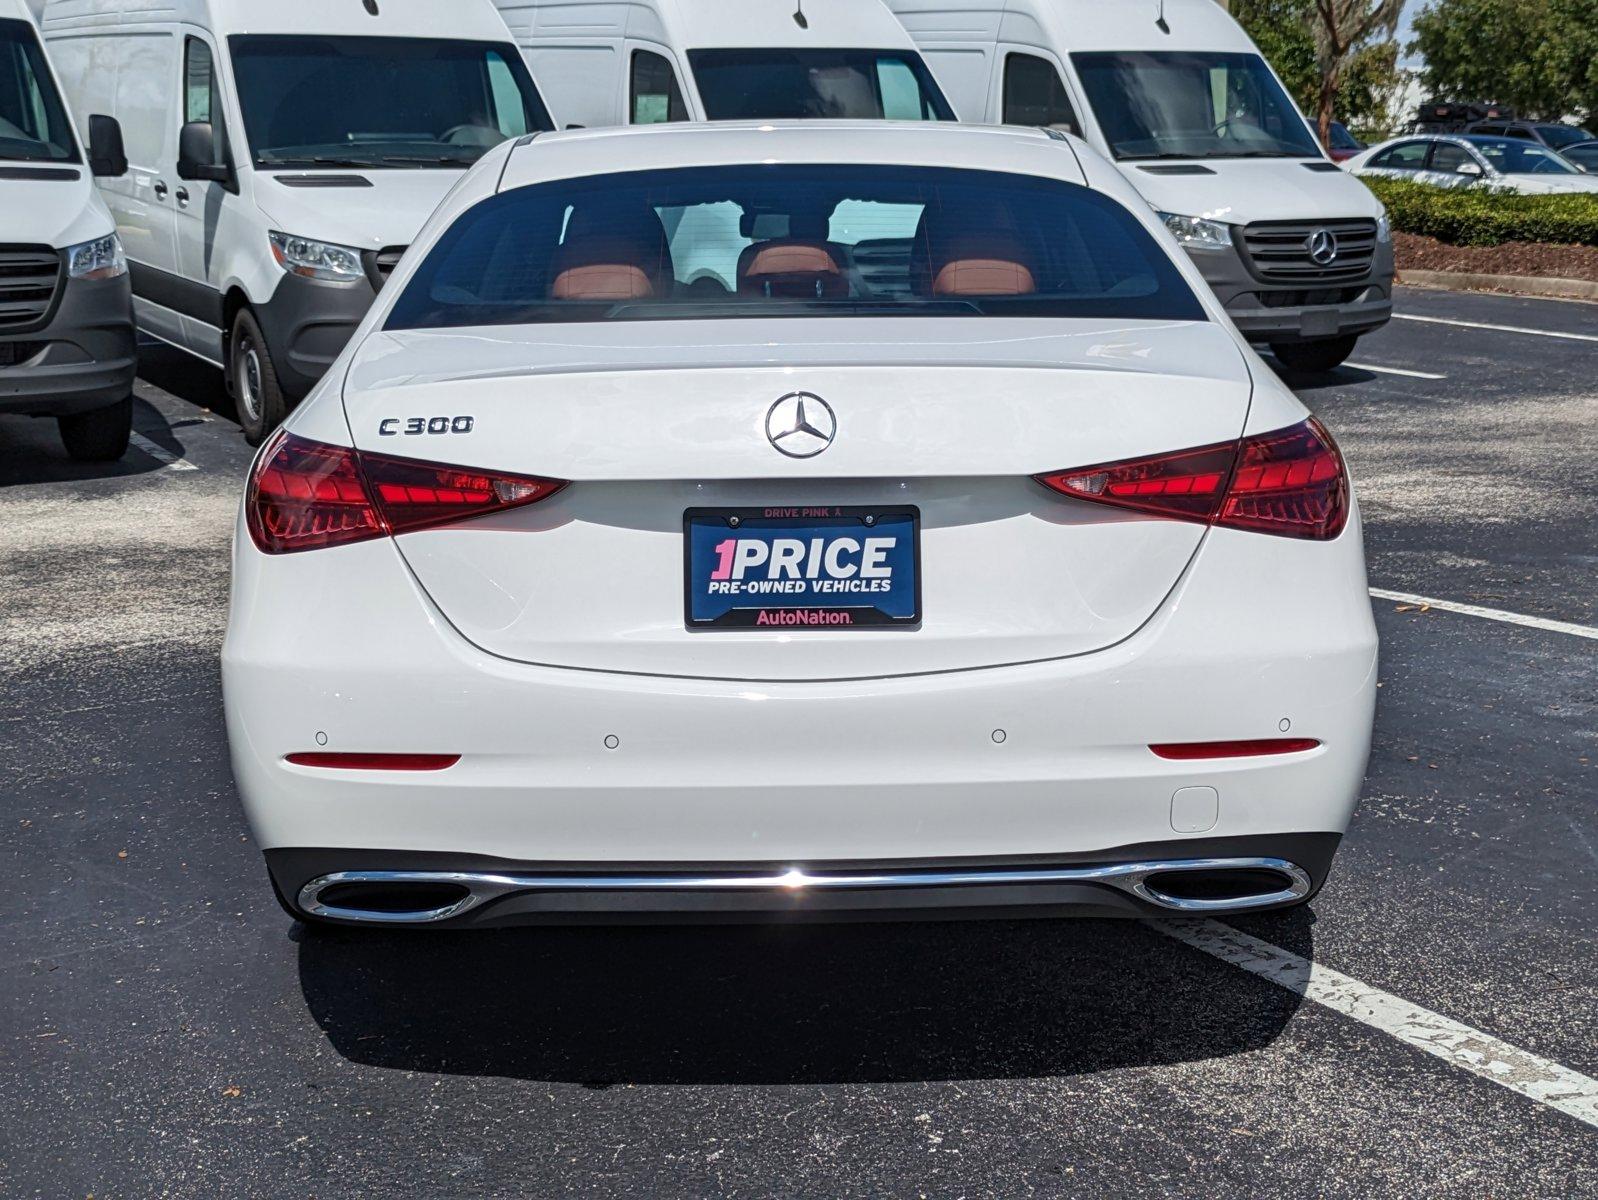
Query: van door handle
[[160, 189], [183, 196]]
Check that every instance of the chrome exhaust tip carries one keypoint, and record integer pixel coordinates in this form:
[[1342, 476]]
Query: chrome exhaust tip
[[1195, 885]]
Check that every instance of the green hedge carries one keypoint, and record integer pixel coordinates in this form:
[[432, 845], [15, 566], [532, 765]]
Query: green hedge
[[1478, 217]]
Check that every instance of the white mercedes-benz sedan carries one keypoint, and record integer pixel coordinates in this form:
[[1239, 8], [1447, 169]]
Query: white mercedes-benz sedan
[[771, 520]]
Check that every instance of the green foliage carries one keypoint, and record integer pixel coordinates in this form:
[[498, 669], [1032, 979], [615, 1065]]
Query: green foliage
[[1477, 216], [1285, 33], [1539, 55]]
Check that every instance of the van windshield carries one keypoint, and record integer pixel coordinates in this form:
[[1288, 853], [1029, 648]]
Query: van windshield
[[769, 85], [791, 240], [1192, 104], [33, 121], [381, 101]]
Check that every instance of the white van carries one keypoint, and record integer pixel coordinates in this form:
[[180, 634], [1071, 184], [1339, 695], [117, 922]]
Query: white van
[[642, 62], [66, 315], [284, 153], [1178, 96]]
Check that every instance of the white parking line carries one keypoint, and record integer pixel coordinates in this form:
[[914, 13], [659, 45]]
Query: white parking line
[[1552, 333], [1491, 614], [1539, 1079], [162, 454], [1394, 371]]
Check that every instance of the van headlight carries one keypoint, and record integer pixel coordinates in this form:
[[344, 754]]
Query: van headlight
[[1198, 233], [312, 259], [99, 259]]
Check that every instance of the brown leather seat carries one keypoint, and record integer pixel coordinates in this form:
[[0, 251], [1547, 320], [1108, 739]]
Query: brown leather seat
[[981, 264], [611, 256], [796, 268]]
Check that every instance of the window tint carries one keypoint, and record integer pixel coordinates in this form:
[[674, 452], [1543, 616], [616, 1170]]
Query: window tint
[[656, 98], [33, 123], [1034, 94], [789, 240], [1584, 156], [1406, 156], [765, 85], [380, 101], [1450, 157], [1192, 104]]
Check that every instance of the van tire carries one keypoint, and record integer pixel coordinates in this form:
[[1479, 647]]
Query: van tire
[[100, 435], [1325, 355], [252, 378]]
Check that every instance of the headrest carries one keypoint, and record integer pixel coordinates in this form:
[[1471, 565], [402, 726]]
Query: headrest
[[791, 268], [981, 264]]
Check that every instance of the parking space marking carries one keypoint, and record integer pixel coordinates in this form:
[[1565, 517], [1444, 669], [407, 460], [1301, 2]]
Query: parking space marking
[[1491, 614], [1552, 333], [162, 454], [1393, 371], [1539, 1079]]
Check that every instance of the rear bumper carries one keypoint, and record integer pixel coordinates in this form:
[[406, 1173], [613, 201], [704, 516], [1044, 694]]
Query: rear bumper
[[602, 772], [84, 359], [1190, 877]]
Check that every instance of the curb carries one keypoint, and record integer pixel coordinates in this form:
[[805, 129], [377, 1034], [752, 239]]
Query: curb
[[1521, 285]]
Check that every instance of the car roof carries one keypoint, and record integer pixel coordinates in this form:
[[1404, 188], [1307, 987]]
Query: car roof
[[587, 152], [713, 24]]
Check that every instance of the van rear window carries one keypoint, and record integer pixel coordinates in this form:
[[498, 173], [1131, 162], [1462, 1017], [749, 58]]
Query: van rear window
[[777, 240]]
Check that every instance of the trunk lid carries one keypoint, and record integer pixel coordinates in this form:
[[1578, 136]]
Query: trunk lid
[[651, 420]]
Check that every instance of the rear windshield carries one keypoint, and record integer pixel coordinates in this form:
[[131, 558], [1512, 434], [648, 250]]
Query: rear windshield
[[782, 240], [1560, 136], [767, 85]]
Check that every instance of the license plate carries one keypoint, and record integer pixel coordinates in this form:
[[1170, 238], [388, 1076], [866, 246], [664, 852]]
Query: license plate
[[803, 568]]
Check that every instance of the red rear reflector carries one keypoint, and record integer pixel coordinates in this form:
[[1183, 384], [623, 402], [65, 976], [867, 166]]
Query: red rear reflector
[[304, 495], [375, 762], [1290, 482], [1185, 751]]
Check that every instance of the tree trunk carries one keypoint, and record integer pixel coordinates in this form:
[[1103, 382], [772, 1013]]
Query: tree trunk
[[1326, 110]]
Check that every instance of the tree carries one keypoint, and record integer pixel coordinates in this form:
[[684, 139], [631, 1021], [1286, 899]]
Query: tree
[[1495, 50], [1342, 30], [1284, 30]]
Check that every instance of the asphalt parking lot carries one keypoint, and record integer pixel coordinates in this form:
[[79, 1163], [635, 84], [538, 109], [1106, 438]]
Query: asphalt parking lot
[[166, 1031]]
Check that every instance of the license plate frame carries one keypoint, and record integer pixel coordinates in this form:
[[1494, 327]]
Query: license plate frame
[[903, 611]]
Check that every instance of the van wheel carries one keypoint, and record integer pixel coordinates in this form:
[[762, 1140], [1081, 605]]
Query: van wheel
[[98, 436], [1315, 356], [261, 403]]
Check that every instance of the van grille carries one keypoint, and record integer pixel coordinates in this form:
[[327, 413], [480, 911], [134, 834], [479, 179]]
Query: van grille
[[380, 264], [1279, 251], [29, 278]]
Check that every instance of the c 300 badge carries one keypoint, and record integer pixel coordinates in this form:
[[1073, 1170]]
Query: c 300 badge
[[420, 426]]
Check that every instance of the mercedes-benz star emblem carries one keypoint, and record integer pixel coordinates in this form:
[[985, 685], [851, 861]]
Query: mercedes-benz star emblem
[[801, 425], [1322, 247]]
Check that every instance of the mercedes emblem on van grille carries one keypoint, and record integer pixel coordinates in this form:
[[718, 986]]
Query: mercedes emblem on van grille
[[801, 425], [1322, 246]]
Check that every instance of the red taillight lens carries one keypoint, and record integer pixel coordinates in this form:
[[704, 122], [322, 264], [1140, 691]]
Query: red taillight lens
[[305, 495], [1290, 483]]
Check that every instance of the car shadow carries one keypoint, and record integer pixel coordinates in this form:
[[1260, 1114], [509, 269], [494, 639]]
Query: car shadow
[[31, 450], [186, 377], [1309, 381], [774, 1004]]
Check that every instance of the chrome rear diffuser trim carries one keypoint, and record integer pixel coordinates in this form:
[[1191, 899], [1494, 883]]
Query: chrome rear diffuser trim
[[481, 887]]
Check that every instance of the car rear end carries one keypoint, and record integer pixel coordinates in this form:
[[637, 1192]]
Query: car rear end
[[900, 575]]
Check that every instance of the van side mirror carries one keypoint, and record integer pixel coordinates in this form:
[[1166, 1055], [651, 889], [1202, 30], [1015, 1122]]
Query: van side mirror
[[107, 158], [197, 154]]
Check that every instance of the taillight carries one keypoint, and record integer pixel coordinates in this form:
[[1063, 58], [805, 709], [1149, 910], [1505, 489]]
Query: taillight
[[1291, 482], [305, 495]]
